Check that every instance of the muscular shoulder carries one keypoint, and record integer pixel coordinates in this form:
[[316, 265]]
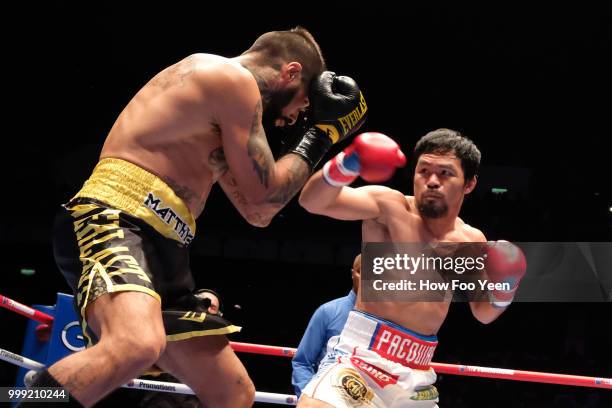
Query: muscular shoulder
[[224, 76], [382, 193], [389, 201], [473, 234]]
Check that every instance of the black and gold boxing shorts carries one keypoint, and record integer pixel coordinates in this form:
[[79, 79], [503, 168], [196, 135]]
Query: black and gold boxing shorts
[[126, 230]]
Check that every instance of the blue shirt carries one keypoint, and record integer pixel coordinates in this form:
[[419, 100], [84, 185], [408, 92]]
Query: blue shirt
[[327, 321]]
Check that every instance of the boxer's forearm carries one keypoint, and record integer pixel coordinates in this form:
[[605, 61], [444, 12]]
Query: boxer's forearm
[[317, 194], [293, 173], [290, 174]]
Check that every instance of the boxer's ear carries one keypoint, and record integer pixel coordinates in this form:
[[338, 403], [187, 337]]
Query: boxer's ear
[[470, 185], [291, 72]]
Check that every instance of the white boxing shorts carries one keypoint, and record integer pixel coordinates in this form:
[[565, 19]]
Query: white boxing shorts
[[376, 363]]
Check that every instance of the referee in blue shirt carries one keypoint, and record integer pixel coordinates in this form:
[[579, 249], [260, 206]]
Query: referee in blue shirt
[[327, 321]]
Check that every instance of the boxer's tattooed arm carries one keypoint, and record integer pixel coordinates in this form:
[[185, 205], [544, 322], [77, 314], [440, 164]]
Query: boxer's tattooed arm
[[263, 162], [250, 213], [258, 149], [217, 162], [297, 174]]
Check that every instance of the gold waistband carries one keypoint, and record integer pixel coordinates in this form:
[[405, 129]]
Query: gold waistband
[[129, 188]]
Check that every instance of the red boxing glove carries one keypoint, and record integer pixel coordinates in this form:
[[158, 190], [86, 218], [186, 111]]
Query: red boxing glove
[[506, 264], [373, 156]]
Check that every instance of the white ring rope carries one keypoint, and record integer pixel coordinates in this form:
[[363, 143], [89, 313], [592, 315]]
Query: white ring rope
[[148, 385]]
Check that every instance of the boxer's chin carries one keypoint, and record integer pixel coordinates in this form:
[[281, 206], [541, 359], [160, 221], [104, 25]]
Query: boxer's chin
[[433, 209]]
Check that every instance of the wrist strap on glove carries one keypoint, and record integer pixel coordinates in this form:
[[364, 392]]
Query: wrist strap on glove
[[502, 301], [312, 147], [342, 170]]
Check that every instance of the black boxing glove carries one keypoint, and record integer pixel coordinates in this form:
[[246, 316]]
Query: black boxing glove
[[338, 106], [338, 109]]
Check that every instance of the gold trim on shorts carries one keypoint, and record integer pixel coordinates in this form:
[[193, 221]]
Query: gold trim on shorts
[[94, 227], [199, 333], [133, 190]]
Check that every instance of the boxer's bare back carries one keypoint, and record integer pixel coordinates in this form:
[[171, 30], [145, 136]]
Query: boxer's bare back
[[166, 130]]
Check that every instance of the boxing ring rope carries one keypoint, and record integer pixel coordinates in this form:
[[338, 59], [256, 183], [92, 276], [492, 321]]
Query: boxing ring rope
[[146, 385], [20, 361], [464, 370], [26, 311], [442, 368]]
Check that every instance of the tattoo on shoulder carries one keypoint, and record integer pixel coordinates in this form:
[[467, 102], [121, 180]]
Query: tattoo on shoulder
[[173, 76], [257, 148], [217, 162]]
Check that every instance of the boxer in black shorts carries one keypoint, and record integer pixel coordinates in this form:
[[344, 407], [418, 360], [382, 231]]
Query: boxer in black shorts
[[101, 249], [122, 239]]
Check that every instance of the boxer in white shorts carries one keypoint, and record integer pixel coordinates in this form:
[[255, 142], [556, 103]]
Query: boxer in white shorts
[[376, 363], [379, 360]]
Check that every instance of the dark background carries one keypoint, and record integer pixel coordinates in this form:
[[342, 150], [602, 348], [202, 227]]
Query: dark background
[[530, 85]]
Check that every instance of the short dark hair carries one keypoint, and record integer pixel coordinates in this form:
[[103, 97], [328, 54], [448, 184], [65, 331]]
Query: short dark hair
[[297, 45], [443, 141]]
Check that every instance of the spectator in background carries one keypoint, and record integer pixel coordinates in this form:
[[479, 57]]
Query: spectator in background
[[326, 322]]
